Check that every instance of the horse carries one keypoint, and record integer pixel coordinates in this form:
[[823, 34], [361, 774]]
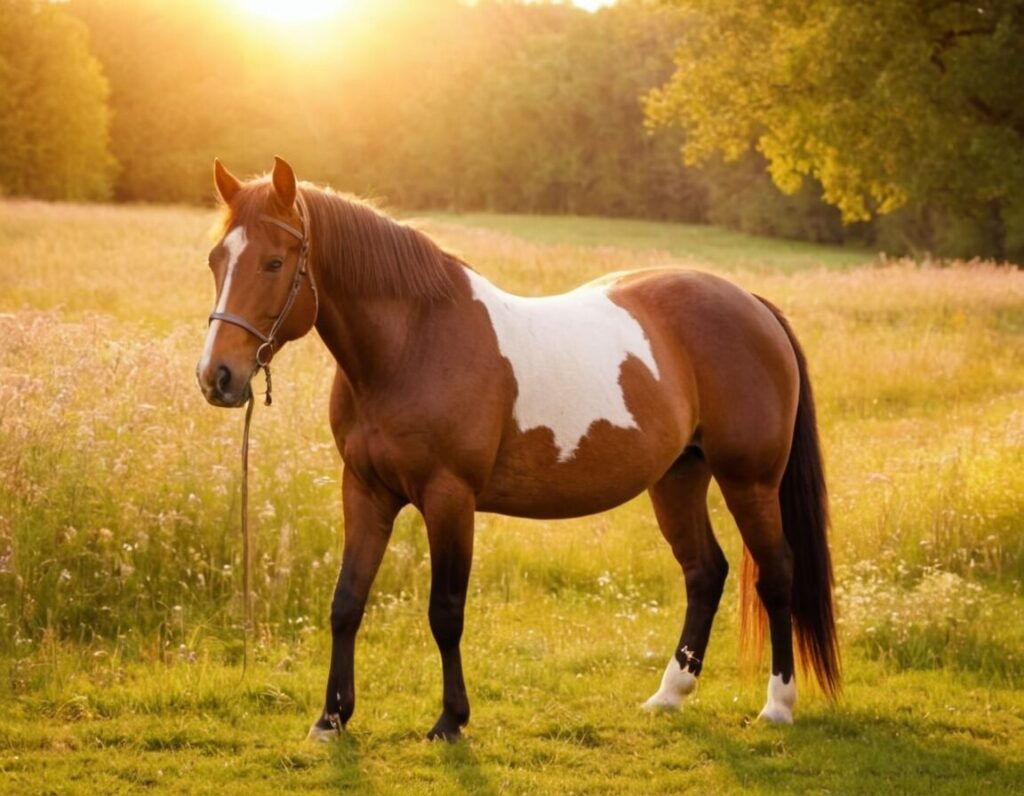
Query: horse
[[455, 397]]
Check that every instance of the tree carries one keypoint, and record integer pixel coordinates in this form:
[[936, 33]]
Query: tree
[[54, 120], [887, 103]]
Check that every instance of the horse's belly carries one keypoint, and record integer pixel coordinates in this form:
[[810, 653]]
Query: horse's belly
[[557, 501], [610, 465]]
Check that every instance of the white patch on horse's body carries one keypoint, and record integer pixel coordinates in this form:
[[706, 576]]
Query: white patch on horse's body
[[781, 700], [566, 353], [235, 242], [676, 684]]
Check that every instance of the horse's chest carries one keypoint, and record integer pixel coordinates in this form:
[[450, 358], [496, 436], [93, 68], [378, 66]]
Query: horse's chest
[[566, 354]]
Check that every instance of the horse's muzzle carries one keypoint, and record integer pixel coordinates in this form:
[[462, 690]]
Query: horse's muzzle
[[222, 387]]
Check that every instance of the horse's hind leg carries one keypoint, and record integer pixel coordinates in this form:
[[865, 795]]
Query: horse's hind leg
[[756, 509], [680, 503]]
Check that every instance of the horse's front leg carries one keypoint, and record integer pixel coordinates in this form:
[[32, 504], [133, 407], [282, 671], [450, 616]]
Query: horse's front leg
[[448, 510], [369, 517]]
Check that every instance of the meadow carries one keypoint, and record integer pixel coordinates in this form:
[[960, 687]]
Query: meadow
[[120, 607]]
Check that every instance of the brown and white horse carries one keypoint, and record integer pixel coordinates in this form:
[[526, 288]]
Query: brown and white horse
[[457, 397]]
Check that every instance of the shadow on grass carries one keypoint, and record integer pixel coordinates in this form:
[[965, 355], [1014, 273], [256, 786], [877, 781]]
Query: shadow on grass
[[858, 753], [456, 761], [461, 762], [347, 754]]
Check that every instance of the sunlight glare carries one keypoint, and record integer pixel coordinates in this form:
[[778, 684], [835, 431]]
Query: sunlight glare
[[294, 10]]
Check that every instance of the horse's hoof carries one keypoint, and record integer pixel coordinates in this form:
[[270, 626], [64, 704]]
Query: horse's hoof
[[662, 703], [781, 700], [446, 729], [676, 684], [776, 714], [451, 736], [325, 730]]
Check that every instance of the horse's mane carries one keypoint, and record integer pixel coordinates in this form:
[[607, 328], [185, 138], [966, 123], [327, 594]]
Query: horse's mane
[[356, 249]]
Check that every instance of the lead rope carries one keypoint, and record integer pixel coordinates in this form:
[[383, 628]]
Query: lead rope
[[246, 543], [246, 557]]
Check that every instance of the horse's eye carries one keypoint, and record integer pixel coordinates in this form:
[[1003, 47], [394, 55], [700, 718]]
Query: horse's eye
[[274, 265]]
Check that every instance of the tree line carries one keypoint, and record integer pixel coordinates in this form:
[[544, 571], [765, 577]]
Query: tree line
[[498, 106]]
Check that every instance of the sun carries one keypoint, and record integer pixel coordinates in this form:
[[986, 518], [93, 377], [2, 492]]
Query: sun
[[294, 10]]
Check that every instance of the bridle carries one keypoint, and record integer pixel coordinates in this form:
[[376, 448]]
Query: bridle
[[267, 341]]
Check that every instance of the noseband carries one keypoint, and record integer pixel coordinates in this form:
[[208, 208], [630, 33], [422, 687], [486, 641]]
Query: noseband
[[267, 341]]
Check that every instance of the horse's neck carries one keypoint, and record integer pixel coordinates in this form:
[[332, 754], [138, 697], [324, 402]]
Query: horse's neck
[[370, 337], [365, 335]]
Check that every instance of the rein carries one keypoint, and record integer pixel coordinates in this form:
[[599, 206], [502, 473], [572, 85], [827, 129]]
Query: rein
[[267, 342]]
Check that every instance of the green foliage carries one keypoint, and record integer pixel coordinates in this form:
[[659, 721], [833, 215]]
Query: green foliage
[[496, 106], [538, 107], [885, 104], [182, 92], [54, 117], [742, 197]]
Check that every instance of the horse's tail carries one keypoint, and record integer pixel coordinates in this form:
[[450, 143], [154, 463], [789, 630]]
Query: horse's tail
[[804, 502]]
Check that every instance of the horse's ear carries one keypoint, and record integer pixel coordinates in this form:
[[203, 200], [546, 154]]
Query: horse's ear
[[226, 182], [284, 183]]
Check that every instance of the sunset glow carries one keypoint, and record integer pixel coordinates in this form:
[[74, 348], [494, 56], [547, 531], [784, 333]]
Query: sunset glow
[[303, 11], [294, 10]]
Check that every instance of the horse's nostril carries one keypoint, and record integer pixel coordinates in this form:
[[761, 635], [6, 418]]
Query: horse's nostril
[[223, 379]]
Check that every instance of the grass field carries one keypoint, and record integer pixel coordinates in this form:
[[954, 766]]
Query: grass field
[[120, 647], [721, 248]]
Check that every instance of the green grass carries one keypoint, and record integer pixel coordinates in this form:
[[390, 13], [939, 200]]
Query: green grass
[[556, 684], [119, 584], [698, 243]]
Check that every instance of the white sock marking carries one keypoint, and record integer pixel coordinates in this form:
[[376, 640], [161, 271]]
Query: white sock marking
[[566, 353], [676, 684], [781, 700], [235, 242], [320, 735]]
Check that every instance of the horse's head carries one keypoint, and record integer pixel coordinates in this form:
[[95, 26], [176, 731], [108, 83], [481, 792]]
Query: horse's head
[[265, 291]]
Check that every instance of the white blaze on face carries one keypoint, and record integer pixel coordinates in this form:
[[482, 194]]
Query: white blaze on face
[[235, 242], [781, 700], [566, 353]]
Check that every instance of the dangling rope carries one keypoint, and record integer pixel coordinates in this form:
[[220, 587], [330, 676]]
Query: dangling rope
[[246, 548], [246, 542]]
